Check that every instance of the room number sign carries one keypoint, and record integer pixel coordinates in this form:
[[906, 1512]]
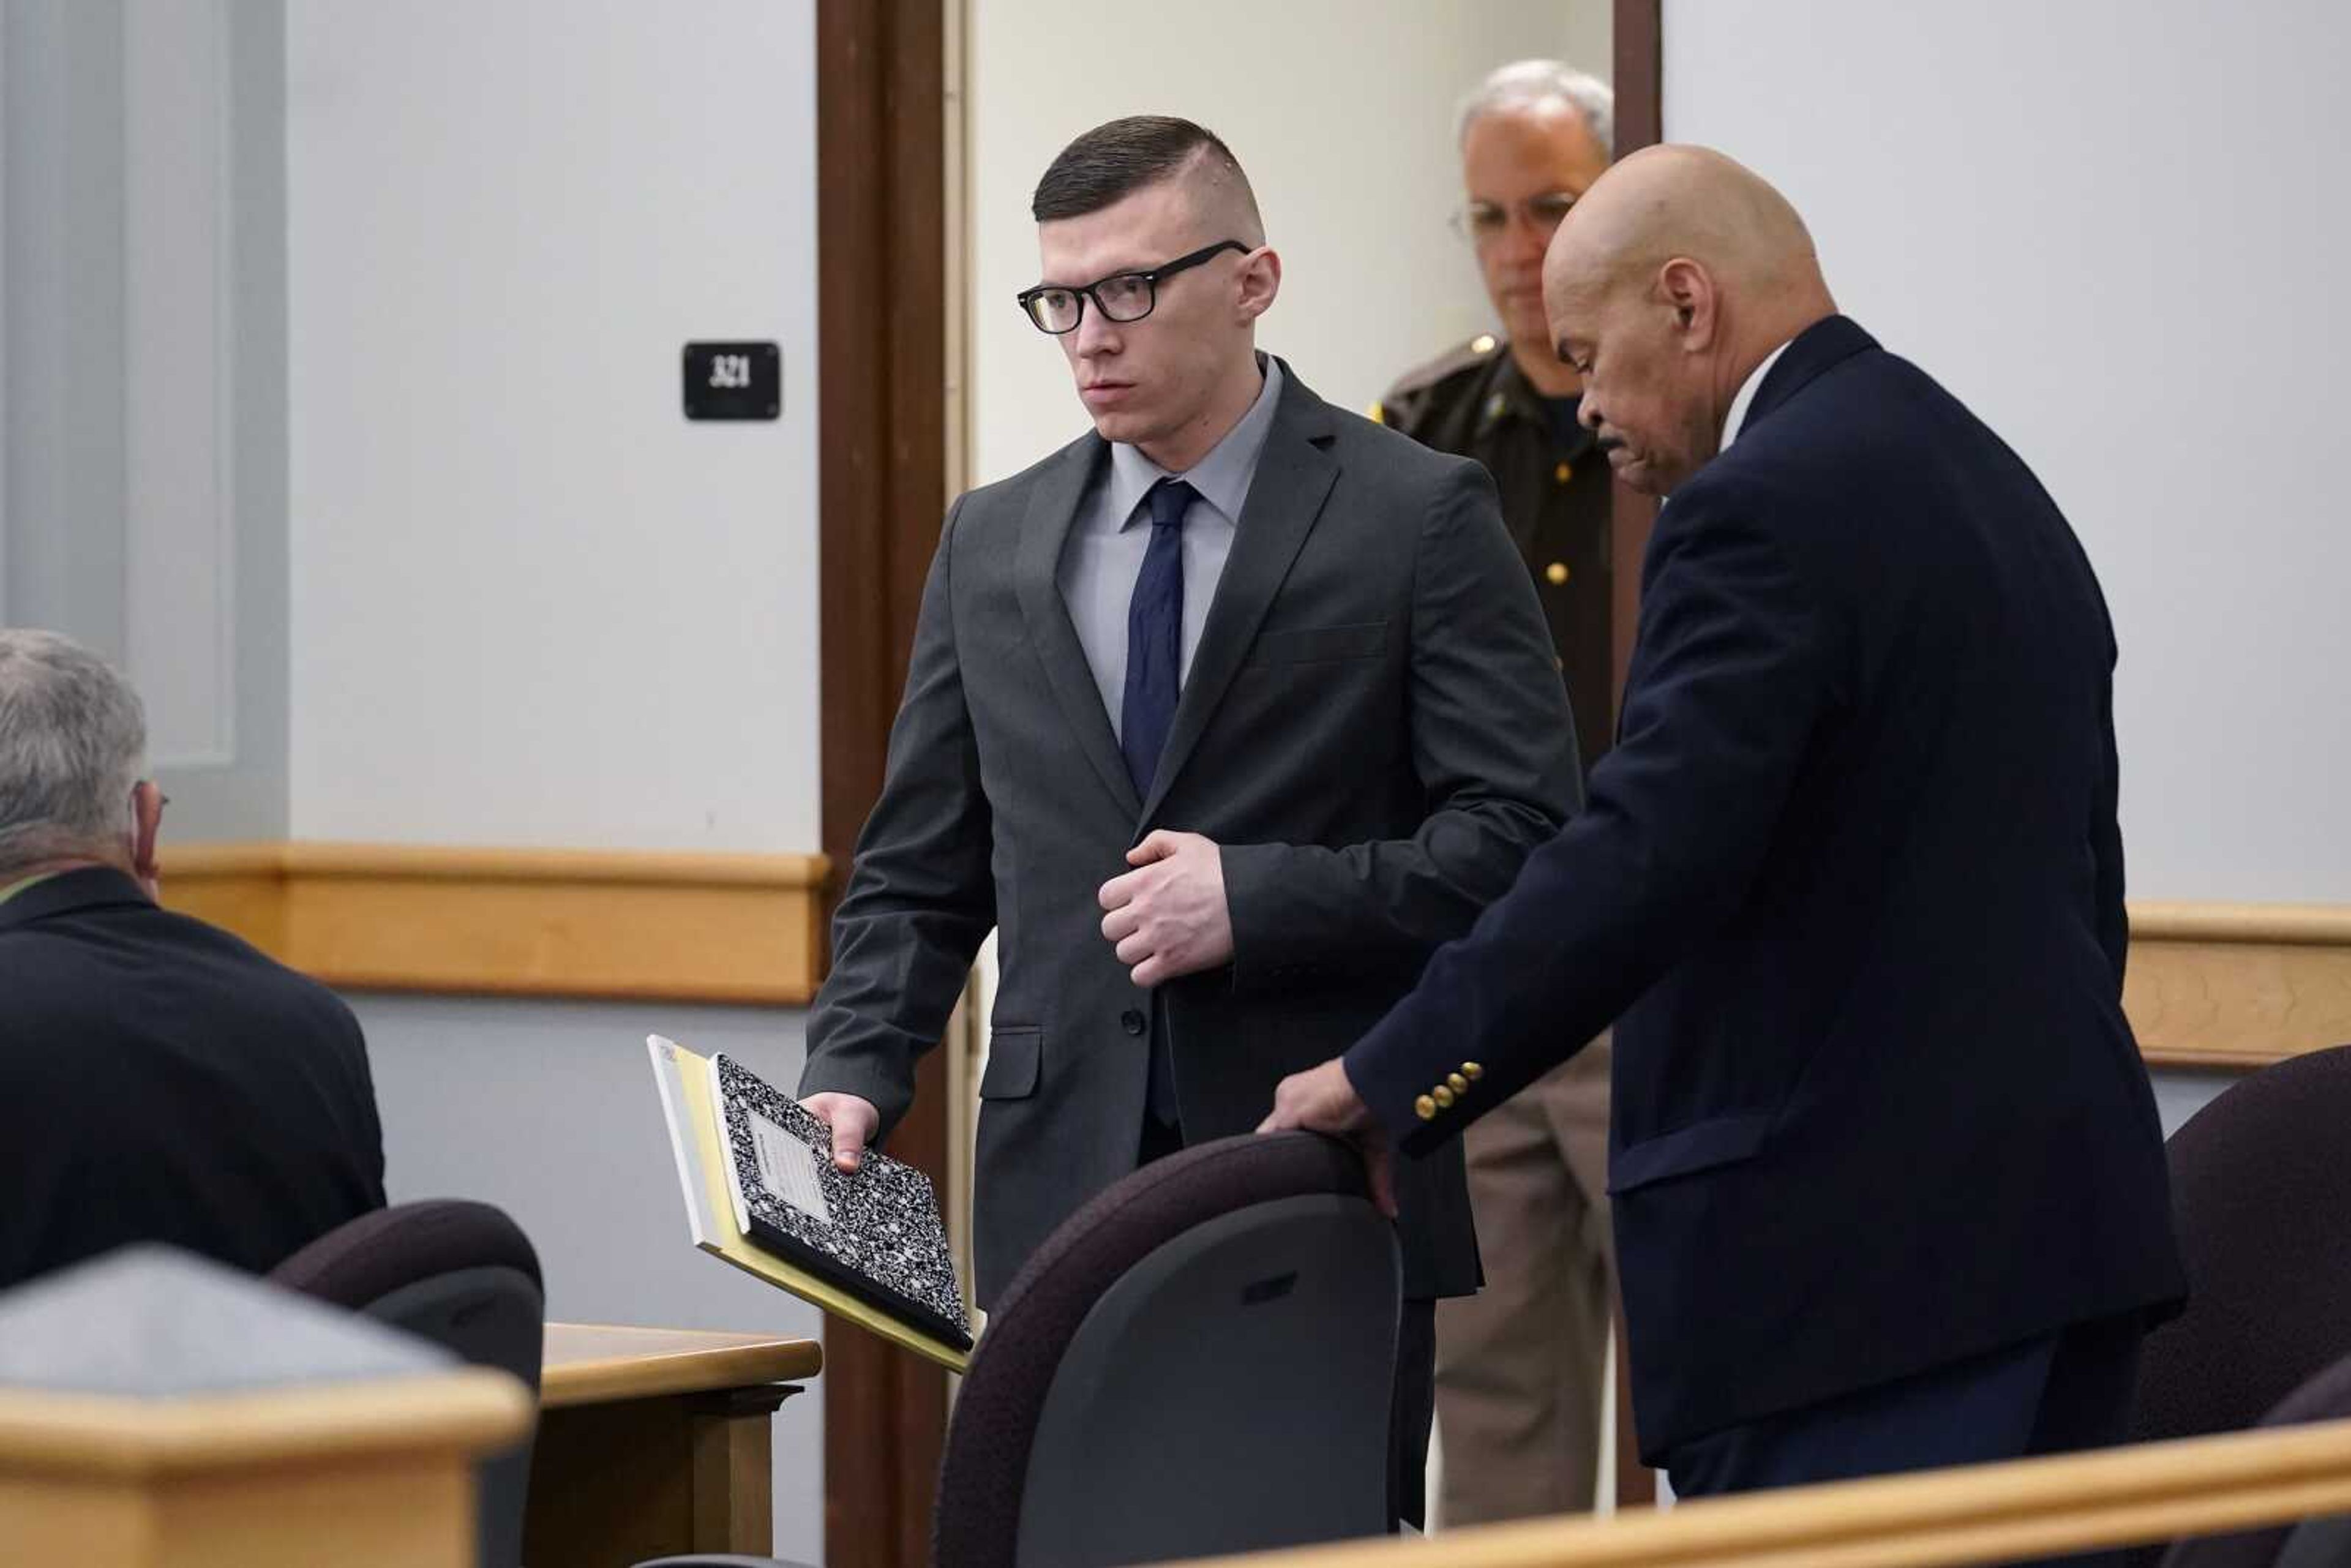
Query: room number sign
[[733, 380]]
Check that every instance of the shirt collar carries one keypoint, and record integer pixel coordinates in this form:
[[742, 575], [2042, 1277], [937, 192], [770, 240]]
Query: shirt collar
[[1222, 477], [1747, 390], [14, 888]]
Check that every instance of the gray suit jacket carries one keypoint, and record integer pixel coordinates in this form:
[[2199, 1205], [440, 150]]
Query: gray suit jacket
[[1373, 729]]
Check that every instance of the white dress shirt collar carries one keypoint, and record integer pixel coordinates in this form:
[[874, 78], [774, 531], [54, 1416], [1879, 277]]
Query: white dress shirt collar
[[1747, 389]]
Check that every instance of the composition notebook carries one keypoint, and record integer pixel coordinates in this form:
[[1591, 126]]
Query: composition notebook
[[761, 1193]]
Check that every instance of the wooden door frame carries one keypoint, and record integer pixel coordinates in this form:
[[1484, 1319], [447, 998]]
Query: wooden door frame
[[1637, 79], [880, 95], [1637, 41], [881, 422]]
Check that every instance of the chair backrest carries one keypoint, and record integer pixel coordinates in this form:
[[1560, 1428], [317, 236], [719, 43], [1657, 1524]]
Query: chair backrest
[[464, 1276], [2314, 1543], [2261, 1180], [1200, 1360]]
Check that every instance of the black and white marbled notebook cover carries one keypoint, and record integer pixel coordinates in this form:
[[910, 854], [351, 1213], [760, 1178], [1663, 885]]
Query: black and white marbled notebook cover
[[880, 1223]]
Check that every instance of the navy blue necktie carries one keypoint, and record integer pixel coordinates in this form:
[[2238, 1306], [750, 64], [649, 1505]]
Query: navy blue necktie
[[1154, 637]]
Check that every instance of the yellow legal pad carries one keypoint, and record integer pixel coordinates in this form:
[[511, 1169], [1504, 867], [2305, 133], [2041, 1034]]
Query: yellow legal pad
[[693, 1135]]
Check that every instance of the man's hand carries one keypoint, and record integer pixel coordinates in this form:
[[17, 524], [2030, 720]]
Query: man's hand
[[1167, 918], [1323, 1100], [853, 1123]]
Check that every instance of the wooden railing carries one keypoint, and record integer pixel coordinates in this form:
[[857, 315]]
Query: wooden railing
[[1979, 1513]]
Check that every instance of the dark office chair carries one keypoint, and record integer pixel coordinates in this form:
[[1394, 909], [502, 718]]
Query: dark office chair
[[464, 1276], [2261, 1189], [2314, 1542], [1199, 1361]]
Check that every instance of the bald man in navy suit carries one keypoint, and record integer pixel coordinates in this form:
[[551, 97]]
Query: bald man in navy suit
[[1888, 1184]]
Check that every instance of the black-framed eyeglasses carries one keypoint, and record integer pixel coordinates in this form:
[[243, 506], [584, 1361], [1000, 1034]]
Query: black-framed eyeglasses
[[1057, 308], [1482, 223]]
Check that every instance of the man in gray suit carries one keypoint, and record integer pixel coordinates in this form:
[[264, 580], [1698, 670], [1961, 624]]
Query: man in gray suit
[[1226, 715]]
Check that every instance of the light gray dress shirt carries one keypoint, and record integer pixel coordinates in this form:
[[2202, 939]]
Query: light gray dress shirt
[[1113, 529]]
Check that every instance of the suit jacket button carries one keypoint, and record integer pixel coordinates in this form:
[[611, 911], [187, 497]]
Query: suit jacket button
[[1472, 1072], [1424, 1108], [1130, 1020], [1555, 573], [1459, 1085], [1442, 1096]]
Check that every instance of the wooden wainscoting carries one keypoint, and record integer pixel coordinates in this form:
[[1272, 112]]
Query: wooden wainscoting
[[2238, 985], [2210, 985], [737, 928]]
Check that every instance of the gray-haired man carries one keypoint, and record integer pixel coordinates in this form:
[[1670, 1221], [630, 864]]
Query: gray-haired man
[[160, 1081], [1520, 1366]]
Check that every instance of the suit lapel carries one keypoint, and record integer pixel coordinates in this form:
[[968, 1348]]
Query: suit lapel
[[1295, 476], [1044, 530]]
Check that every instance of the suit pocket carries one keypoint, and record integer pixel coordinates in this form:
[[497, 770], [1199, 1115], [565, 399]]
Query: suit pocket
[[1701, 1146], [1320, 645], [1014, 1057]]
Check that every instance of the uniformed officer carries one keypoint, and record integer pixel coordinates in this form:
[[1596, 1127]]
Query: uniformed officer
[[1521, 1367]]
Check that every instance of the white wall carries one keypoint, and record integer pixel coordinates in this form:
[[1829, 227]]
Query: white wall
[[531, 604], [179, 555], [2114, 232], [1341, 112], [6, 428]]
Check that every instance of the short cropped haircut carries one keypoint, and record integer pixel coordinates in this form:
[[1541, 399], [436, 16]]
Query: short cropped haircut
[[1112, 162]]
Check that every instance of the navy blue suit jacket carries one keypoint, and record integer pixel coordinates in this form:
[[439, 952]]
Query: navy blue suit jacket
[[1851, 879], [160, 1081]]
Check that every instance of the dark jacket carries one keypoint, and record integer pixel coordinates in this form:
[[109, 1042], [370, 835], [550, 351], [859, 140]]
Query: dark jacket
[[160, 1081], [1555, 494], [1372, 730], [1851, 875]]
